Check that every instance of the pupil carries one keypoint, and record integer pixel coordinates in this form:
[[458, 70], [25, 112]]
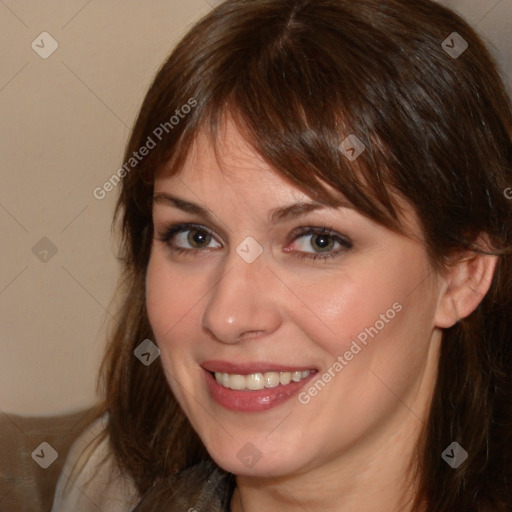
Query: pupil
[[322, 241], [198, 237]]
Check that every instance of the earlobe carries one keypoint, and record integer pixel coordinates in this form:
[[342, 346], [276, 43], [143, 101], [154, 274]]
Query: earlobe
[[464, 286]]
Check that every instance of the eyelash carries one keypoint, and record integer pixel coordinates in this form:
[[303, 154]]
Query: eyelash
[[170, 231]]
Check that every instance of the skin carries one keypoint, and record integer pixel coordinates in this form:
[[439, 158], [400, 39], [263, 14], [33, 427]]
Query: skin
[[350, 446]]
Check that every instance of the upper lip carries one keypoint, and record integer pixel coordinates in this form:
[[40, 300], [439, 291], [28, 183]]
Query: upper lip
[[246, 368]]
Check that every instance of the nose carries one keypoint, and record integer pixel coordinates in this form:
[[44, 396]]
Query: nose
[[243, 302]]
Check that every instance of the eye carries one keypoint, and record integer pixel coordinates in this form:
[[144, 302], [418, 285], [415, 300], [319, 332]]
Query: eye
[[192, 239], [322, 241], [187, 238]]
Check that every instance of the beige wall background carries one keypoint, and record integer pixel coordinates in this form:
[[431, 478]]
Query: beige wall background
[[64, 122]]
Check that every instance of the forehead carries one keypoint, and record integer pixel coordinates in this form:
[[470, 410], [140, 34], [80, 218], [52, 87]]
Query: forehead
[[228, 169], [228, 162]]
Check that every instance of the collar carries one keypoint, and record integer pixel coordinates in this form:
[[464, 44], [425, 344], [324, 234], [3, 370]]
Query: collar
[[201, 488]]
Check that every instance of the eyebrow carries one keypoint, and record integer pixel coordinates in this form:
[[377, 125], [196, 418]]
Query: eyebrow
[[280, 214]]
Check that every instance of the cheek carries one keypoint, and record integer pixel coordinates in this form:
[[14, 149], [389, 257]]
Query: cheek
[[358, 301], [380, 324], [172, 297], [173, 300], [378, 317]]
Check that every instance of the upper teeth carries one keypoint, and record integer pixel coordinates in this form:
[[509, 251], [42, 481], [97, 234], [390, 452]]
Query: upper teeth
[[256, 381]]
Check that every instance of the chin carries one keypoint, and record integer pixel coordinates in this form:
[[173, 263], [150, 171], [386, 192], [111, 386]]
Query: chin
[[251, 461]]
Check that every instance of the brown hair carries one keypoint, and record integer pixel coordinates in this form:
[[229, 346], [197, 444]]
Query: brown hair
[[298, 77]]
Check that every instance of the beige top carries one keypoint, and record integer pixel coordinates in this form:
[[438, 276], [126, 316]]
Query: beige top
[[93, 487]]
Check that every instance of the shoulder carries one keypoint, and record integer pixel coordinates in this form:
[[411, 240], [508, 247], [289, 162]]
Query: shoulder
[[90, 479]]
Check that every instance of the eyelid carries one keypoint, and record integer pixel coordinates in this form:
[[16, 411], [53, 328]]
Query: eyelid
[[324, 230], [169, 230], [197, 220]]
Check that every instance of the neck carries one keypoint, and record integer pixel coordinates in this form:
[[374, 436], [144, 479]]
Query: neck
[[376, 479], [376, 473]]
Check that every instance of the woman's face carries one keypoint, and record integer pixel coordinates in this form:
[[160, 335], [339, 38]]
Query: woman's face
[[315, 358]]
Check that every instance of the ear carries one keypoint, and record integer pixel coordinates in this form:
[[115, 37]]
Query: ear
[[464, 286]]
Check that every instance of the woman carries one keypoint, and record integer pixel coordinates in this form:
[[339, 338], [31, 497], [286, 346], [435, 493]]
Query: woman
[[317, 282]]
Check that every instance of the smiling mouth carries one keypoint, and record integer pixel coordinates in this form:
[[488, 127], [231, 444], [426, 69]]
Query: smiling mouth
[[259, 381]]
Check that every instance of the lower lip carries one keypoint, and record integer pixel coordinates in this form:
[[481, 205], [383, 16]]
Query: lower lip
[[253, 401]]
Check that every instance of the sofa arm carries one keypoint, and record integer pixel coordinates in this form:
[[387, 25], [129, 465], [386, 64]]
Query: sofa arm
[[26, 484]]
